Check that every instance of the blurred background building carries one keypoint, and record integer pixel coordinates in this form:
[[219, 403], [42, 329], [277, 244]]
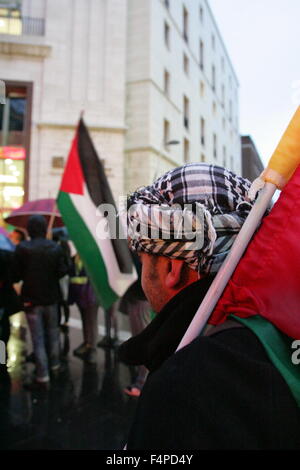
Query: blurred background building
[[252, 165], [152, 76]]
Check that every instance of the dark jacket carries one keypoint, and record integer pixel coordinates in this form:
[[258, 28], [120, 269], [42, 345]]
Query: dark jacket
[[39, 263], [9, 300], [219, 392]]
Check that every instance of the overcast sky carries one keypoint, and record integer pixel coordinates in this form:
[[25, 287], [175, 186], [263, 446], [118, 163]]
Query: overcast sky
[[263, 41]]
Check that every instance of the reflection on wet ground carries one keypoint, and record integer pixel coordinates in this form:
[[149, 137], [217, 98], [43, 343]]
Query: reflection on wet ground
[[85, 407]]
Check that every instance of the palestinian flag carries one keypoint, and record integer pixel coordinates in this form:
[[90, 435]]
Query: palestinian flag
[[83, 189], [263, 293]]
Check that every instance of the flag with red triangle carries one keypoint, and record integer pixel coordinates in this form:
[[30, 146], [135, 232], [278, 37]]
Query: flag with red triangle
[[84, 189]]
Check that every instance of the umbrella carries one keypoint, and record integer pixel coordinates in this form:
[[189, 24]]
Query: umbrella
[[46, 207]]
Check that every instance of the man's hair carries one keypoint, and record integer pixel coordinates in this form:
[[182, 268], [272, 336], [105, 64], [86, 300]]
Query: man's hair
[[37, 226]]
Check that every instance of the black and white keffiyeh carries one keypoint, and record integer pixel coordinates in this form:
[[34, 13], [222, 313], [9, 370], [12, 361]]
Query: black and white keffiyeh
[[192, 213]]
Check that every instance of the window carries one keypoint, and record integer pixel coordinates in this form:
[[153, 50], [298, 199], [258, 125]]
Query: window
[[166, 82], [186, 112], [202, 157], [167, 35], [12, 116], [202, 131], [213, 42], [10, 21], [202, 89], [15, 122], [185, 24], [224, 124], [201, 14], [201, 54], [230, 110], [215, 145], [186, 149], [222, 64], [224, 157], [213, 77], [166, 133], [231, 163], [214, 108], [167, 4], [186, 64], [223, 95]]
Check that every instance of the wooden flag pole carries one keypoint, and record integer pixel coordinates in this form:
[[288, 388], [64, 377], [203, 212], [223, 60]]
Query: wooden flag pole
[[51, 222]]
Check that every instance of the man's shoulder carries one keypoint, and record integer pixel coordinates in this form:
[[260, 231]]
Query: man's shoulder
[[49, 245], [220, 391], [227, 355], [23, 246]]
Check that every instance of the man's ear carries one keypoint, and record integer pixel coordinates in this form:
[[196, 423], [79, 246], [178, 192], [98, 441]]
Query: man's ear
[[174, 276]]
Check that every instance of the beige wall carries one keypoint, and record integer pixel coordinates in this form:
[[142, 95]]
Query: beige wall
[[78, 65]]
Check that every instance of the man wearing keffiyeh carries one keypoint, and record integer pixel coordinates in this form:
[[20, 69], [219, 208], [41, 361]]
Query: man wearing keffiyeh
[[220, 391]]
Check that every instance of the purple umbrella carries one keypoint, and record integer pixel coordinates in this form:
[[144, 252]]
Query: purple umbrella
[[46, 207]]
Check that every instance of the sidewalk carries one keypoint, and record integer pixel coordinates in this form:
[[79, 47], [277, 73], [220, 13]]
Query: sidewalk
[[84, 409]]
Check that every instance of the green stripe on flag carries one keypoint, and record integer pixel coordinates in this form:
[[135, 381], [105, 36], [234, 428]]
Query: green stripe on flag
[[278, 348], [88, 250]]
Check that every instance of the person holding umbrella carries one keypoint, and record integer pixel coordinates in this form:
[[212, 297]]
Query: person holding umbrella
[[40, 263]]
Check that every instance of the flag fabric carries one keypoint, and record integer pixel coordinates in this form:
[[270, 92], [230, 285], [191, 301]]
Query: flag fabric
[[264, 291], [84, 187]]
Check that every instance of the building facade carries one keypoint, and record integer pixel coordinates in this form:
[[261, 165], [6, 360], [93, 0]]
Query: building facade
[[58, 58], [182, 91], [153, 77]]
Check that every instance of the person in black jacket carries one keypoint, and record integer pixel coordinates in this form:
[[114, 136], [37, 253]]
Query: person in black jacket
[[40, 263], [9, 300], [221, 391]]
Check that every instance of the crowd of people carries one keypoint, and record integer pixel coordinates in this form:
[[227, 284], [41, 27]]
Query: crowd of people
[[43, 278]]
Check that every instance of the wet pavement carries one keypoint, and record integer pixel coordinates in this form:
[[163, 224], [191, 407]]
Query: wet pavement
[[85, 407]]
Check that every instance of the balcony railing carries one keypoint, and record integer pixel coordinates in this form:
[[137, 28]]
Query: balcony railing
[[23, 25]]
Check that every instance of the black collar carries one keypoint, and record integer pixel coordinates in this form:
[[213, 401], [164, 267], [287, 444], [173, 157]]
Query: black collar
[[161, 337]]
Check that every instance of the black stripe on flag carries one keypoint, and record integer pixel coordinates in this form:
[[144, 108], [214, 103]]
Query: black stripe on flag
[[100, 191]]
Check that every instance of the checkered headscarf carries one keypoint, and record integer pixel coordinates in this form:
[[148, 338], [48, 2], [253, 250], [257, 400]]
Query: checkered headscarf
[[222, 199]]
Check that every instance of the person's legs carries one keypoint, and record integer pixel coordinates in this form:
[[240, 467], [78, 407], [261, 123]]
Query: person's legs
[[111, 327], [82, 348], [64, 287], [91, 326], [89, 316], [139, 317], [52, 331], [35, 321]]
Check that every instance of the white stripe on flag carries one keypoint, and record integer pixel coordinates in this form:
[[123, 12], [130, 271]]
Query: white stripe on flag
[[118, 281]]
